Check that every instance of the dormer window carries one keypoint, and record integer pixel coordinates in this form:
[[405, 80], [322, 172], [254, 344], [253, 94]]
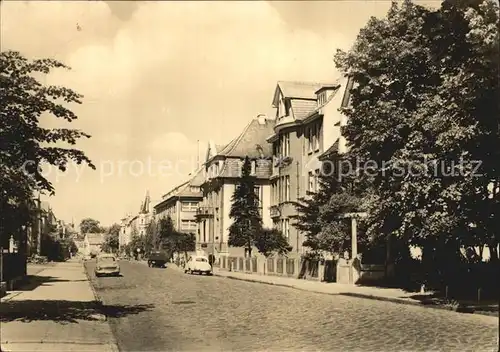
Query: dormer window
[[321, 97], [284, 108]]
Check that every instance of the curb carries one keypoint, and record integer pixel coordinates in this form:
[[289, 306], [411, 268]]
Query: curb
[[459, 309], [98, 300], [101, 316]]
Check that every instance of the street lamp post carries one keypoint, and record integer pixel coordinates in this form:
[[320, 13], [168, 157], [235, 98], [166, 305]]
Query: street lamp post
[[354, 269], [354, 229]]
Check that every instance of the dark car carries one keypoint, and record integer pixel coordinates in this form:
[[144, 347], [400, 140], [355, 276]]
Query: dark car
[[157, 259]]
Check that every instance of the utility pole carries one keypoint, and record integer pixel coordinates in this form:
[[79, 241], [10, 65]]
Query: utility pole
[[198, 154]]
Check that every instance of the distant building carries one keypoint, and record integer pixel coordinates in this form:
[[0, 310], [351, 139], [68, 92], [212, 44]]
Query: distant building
[[223, 167], [43, 223], [92, 243], [135, 225], [181, 203]]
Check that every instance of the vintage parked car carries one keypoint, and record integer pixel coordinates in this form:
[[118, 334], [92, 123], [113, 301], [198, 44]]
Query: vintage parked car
[[107, 264], [198, 264], [157, 259]]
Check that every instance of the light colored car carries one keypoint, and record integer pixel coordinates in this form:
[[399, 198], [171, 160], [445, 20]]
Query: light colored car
[[198, 264], [107, 264]]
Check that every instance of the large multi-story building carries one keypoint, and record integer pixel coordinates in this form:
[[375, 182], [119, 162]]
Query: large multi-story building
[[223, 167], [181, 203], [307, 126]]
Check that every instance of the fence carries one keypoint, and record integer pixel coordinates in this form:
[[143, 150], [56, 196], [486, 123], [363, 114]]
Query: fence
[[279, 266], [12, 266]]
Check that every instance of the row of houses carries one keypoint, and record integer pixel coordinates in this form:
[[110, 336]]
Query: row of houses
[[286, 152], [44, 223]]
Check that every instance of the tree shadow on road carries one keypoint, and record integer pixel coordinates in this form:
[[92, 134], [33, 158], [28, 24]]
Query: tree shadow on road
[[31, 282], [65, 312]]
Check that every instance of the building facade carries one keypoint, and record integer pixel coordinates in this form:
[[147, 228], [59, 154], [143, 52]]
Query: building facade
[[92, 243], [222, 169], [308, 126], [135, 225], [181, 203]]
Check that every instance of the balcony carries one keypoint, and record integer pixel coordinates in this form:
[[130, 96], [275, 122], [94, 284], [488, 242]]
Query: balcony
[[274, 211], [204, 212]]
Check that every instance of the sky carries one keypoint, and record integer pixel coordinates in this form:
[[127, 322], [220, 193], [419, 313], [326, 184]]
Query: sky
[[161, 79]]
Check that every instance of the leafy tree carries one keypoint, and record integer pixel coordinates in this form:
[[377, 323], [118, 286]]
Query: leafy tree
[[152, 236], [270, 241], [425, 111], [89, 225], [340, 191], [247, 222], [111, 239], [25, 146]]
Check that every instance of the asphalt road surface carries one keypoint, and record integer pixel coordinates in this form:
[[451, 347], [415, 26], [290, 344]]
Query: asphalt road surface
[[157, 309]]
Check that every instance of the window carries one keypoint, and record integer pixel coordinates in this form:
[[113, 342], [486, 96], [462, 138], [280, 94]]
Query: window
[[254, 167], [256, 190], [322, 98], [201, 260], [258, 193], [285, 226], [313, 134], [287, 189], [317, 131], [189, 206], [281, 110], [285, 145], [309, 139], [316, 180], [310, 182], [275, 193], [189, 225]]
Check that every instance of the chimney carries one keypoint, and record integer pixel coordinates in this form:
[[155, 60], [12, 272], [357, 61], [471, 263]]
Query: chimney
[[262, 119]]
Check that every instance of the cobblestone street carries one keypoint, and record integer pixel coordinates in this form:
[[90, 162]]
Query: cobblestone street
[[189, 312]]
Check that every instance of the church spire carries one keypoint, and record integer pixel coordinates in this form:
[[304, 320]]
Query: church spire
[[145, 204]]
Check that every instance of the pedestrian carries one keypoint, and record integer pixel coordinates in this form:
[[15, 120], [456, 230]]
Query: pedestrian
[[211, 259]]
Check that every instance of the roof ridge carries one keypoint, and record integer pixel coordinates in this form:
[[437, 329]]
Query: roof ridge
[[240, 137], [310, 83]]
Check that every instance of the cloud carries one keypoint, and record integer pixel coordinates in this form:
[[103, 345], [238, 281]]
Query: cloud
[[172, 73]]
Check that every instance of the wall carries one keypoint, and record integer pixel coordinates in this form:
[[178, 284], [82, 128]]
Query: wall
[[185, 214], [332, 115], [266, 203], [227, 193], [294, 170]]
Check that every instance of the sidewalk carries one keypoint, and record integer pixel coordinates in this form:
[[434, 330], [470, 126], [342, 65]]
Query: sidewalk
[[377, 293], [55, 311]]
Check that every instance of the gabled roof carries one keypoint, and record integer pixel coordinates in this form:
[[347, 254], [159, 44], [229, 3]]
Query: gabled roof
[[219, 146], [298, 90], [184, 190], [303, 108], [334, 148], [196, 181], [95, 238], [316, 108], [251, 141]]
